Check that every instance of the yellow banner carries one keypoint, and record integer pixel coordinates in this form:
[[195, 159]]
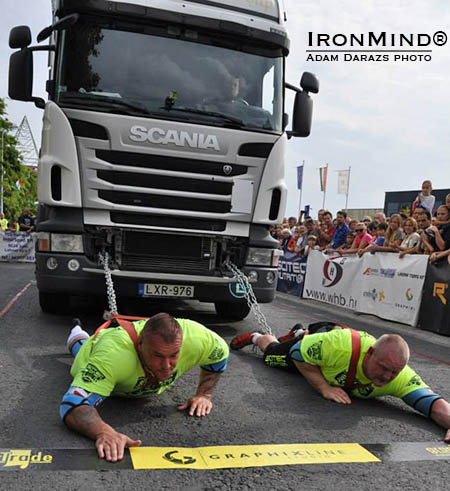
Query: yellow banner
[[248, 456]]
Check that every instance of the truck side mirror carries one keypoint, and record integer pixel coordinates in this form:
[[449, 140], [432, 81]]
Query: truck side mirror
[[21, 75], [19, 37], [20, 84], [303, 105]]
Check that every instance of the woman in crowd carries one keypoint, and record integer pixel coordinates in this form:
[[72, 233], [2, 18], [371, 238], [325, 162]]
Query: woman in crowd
[[360, 242], [392, 238], [412, 238]]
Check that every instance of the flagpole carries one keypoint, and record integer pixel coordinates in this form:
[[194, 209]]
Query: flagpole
[[325, 186], [348, 189], [301, 190]]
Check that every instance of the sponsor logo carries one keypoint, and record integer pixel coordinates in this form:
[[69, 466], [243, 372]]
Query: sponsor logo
[[439, 290], [216, 354], [387, 273], [158, 136], [409, 295], [91, 374], [332, 271], [414, 380], [181, 459], [23, 458], [375, 294], [227, 170], [315, 351]]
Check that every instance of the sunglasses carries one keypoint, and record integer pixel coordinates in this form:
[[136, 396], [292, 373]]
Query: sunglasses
[[359, 230]]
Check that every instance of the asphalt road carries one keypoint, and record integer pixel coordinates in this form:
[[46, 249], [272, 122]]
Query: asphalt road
[[252, 404]]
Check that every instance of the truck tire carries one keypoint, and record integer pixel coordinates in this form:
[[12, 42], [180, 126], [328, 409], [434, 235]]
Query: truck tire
[[235, 311], [54, 303]]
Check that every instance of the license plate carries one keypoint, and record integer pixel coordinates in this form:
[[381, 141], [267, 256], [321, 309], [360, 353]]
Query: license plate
[[161, 290]]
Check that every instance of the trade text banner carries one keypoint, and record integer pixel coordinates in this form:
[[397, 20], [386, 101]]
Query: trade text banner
[[391, 288], [291, 274], [435, 307], [17, 247], [330, 279]]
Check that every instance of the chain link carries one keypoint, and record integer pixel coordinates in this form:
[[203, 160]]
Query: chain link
[[246, 287], [111, 294]]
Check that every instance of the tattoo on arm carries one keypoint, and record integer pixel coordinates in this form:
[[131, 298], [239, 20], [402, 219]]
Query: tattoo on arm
[[85, 420], [207, 384]]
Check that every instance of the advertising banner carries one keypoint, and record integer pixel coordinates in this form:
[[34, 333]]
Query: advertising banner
[[435, 308], [291, 274], [17, 247], [379, 284], [330, 279], [391, 288]]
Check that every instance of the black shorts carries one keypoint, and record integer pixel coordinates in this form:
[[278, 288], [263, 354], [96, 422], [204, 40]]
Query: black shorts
[[277, 355]]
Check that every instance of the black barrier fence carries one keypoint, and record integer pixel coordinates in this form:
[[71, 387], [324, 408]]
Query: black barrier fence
[[435, 307], [291, 274]]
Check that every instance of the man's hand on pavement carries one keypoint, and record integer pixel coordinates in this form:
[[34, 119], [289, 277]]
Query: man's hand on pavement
[[111, 444], [197, 405], [336, 394]]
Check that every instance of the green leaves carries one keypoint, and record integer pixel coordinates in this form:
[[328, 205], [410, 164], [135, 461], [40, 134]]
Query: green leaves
[[14, 200]]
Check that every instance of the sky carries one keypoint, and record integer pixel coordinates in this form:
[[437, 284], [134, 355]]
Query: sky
[[386, 120]]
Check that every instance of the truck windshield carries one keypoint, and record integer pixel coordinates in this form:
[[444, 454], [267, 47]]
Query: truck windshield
[[180, 78]]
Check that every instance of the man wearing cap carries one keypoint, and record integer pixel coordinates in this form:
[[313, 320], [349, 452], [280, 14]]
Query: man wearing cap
[[328, 360], [140, 359]]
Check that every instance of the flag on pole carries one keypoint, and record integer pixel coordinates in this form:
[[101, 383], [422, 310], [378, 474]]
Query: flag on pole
[[343, 178], [299, 176], [323, 178], [18, 184]]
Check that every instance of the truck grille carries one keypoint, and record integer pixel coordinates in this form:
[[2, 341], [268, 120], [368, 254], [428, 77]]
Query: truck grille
[[190, 185], [167, 253]]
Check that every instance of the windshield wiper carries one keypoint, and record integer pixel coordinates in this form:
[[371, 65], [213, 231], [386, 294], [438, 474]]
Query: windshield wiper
[[215, 114], [105, 102]]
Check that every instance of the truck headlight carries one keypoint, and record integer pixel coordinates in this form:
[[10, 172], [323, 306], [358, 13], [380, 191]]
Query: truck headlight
[[263, 257], [67, 243]]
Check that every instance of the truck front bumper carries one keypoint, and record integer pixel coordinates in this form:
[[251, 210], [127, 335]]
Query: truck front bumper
[[89, 280]]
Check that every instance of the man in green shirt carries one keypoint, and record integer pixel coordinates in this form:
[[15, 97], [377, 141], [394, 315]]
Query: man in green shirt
[[110, 364], [324, 359]]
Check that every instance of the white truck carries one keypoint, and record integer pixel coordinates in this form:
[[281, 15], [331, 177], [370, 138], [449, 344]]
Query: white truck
[[163, 147]]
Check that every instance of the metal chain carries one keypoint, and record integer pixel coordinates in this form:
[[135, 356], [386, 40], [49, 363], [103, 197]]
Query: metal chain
[[244, 283], [111, 294]]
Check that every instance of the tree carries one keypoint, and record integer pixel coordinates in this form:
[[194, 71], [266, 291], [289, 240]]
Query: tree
[[14, 173]]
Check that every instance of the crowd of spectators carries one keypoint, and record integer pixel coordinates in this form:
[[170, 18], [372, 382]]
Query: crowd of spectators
[[25, 223], [426, 231]]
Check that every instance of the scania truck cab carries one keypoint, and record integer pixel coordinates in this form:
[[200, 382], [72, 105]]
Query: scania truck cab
[[163, 147]]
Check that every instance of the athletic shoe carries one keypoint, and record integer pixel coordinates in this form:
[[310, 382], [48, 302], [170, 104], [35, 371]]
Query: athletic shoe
[[76, 334], [240, 341], [291, 334]]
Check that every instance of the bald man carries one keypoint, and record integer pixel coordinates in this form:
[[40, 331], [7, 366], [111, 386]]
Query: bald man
[[145, 362], [324, 358]]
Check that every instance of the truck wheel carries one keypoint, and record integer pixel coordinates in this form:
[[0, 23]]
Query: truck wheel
[[235, 311], [54, 303]]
